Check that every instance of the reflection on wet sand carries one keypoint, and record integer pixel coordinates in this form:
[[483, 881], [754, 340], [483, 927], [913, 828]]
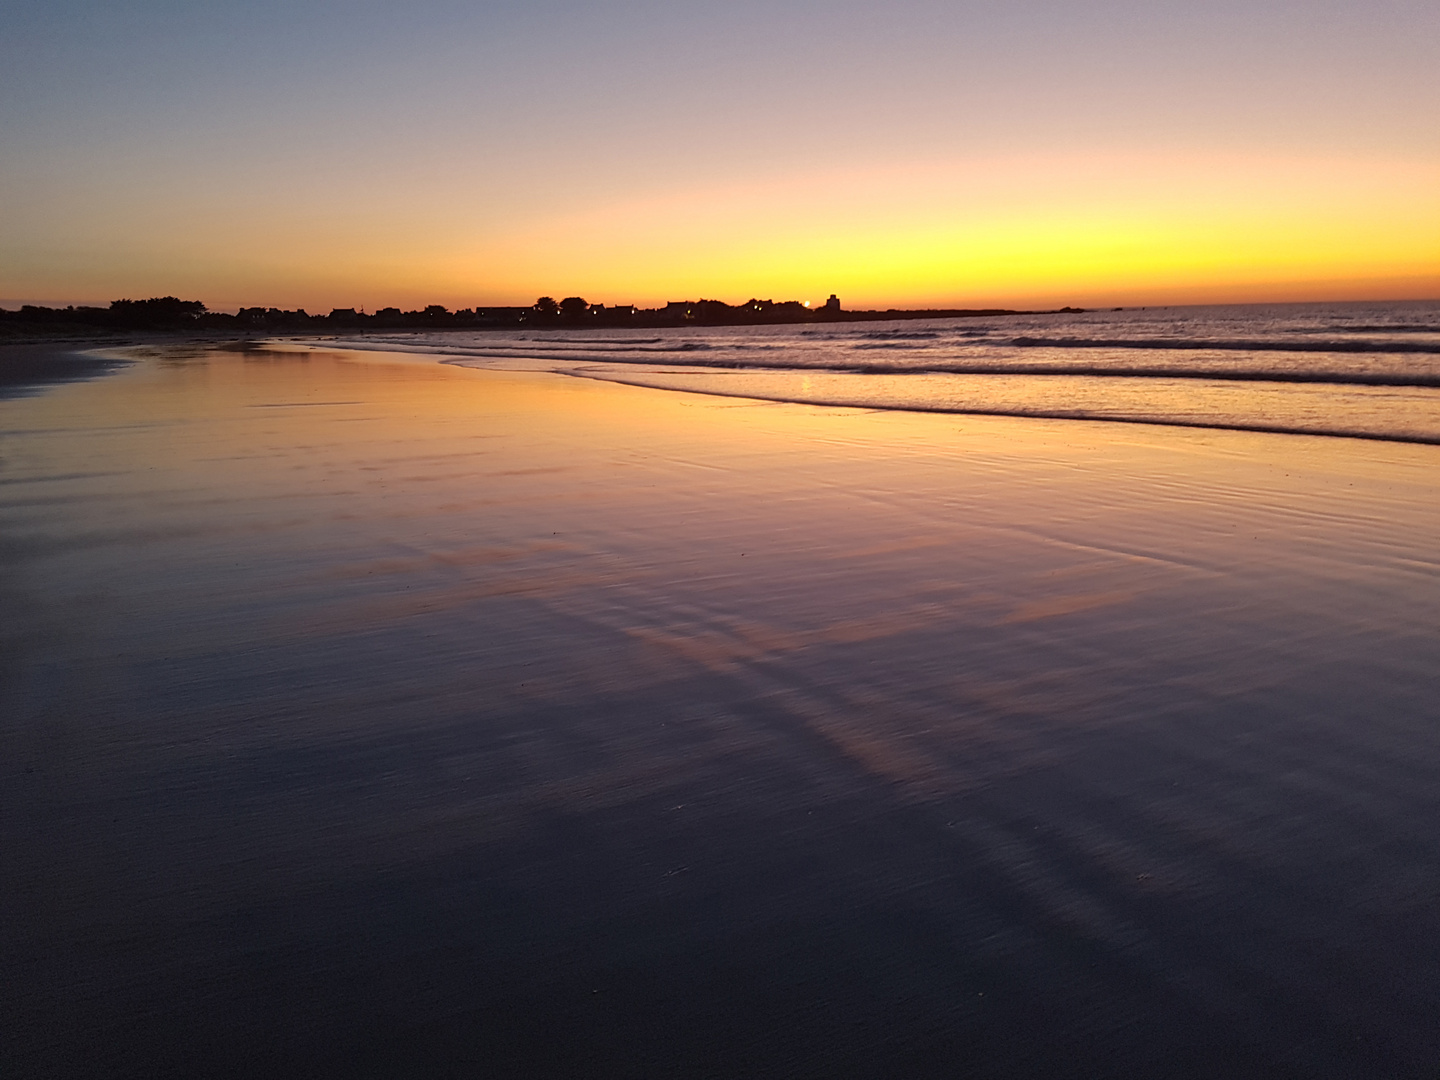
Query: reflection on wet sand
[[537, 725]]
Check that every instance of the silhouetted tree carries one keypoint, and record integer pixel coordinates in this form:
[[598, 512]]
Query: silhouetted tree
[[157, 311], [573, 307], [546, 306]]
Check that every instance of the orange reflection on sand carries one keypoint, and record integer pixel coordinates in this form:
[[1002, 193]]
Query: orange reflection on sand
[[737, 539]]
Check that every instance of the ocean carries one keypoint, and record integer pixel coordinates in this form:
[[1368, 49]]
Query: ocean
[[363, 714], [1359, 370]]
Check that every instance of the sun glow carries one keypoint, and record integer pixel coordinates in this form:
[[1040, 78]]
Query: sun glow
[[1126, 229], [1044, 230]]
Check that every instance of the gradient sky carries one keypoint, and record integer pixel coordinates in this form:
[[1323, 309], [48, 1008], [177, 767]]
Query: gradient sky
[[320, 153]]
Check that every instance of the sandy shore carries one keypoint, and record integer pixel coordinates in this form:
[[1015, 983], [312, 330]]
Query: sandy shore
[[364, 714], [26, 366]]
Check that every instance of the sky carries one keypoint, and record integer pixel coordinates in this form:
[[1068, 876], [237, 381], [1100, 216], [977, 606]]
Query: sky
[[319, 153]]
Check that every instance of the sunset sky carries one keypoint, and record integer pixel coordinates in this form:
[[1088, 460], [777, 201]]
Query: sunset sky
[[915, 153]]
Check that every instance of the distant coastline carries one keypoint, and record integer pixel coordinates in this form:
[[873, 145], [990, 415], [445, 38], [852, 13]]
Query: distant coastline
[[31, 322]]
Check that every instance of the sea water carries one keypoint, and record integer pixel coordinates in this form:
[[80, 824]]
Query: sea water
[[1367, 370]]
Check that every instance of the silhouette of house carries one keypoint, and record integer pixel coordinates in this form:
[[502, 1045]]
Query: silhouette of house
[[833, 304]]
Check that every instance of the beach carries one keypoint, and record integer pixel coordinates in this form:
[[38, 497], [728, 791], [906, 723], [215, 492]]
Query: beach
[[30, 366], [367, 714]]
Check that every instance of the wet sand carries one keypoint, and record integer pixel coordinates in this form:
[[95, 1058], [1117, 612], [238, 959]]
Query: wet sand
[[366, 715], [33, 365]]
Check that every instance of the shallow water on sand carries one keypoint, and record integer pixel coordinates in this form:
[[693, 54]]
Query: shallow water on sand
[[1361, 370], [361, 713]]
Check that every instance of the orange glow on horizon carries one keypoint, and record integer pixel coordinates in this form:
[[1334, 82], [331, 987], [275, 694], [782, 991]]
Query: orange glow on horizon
[[1022, 231], [1008, 232]]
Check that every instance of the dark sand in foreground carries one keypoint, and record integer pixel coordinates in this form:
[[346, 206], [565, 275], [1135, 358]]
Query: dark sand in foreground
[[27, 367], [365, 716]]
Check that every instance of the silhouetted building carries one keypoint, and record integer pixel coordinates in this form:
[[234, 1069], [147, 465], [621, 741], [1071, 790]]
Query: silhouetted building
[[833, 304]]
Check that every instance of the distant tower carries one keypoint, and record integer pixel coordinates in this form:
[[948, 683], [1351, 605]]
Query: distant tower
[[833, 304]]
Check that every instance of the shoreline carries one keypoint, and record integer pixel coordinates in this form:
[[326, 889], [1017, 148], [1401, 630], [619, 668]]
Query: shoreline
[[941, 410], [30, 367]]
